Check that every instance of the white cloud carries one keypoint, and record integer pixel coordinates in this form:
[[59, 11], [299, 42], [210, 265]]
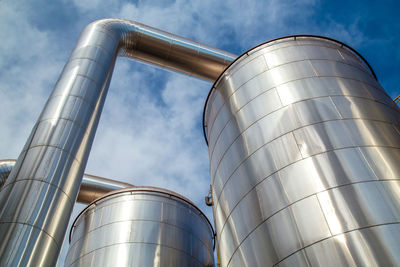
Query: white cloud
[[29, 66]]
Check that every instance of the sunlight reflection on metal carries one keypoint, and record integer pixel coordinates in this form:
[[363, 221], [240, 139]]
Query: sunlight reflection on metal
[[304, 148], [47, 176], [92, 187], [141, 226]]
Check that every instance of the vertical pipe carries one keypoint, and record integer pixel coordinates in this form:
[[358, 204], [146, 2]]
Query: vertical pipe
[[92, 187], [304, 150], [6, 166], [37, 199]]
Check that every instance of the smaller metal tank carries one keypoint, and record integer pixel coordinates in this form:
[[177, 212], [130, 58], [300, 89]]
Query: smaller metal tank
[[141, 226]]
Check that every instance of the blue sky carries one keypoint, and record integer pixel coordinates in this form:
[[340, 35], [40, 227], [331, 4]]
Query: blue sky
[[150, 130]]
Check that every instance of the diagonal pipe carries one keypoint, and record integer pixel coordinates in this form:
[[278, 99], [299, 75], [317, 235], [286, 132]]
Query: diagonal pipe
[[37, 198]]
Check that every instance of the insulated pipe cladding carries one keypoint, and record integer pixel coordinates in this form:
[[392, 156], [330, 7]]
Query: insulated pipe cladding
[[37, 199], [92, 187], [304, 149], [141, 226]]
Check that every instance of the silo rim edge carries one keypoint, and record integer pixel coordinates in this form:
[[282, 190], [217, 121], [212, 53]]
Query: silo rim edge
[[145, 189], [276, 39]]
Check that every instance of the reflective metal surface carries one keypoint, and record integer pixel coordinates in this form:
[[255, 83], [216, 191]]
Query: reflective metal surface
[[92, 187], [142, 226], [37, 198], [6, 166], [304, 149]]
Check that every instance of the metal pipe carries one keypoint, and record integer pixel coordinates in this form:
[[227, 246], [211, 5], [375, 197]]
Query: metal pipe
[[92, 187], [6, 166], [37, 199]]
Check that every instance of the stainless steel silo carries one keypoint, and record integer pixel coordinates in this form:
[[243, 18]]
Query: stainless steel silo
[[141, 226], [304, 149]]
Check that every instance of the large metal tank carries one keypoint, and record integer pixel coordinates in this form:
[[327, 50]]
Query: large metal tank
[[141, 226], [304, 147]]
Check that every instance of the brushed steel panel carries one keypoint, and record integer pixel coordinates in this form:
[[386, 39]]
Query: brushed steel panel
[[383, 161], [288, 119], [31, 191], [272, 196], [379, 94], [271, 127], [318, 138], [322, 137], [236, 153], [284, 151], [310, 220], [257, 250], [315, 110], [321, 52], [350, 107], [42, 163], [238, 259], [248, 115], [11, 255], [78, 86], [308, 40], [257, 108], [95, 53], [292, 71], [297, 259], [284, 233], [324, 171], [267, 196], [333, 68], [225, 139], [220, 122], [258, 205], [359, 205], [67, 136], [138, 231], [248, 71], [366, 132], [74, 108], [87, 68], [252, 88], [244, 217], [92, 34], [257, 166], [213, 111], [377, 246], [284, 55], [136, 254], [308, 88], [228, 243], [350, 58]]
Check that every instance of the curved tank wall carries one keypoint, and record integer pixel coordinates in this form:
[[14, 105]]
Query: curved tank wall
[[142, 226], [304, 149]]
